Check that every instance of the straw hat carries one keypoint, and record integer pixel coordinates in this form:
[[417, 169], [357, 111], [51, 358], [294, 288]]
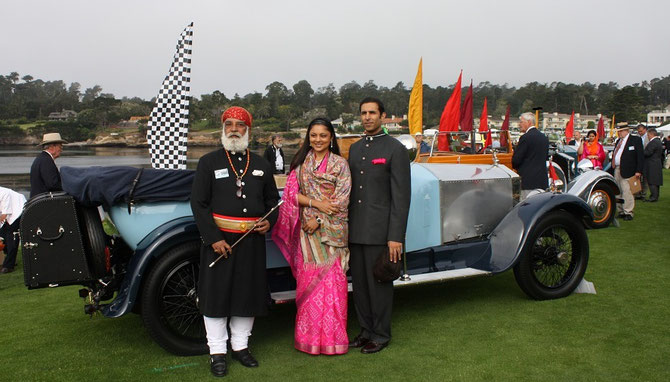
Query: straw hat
[[622, 126], [52, 138]]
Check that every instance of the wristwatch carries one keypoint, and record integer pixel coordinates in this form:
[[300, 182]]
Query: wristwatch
[[319, 220]]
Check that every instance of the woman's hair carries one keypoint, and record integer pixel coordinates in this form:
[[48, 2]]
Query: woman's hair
[[592, 132], [300, 156]]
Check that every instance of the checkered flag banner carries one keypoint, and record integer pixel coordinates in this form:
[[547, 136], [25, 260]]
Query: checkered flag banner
[[167, 130]]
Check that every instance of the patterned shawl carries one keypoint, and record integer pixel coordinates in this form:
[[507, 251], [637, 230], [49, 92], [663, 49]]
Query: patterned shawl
[[328, 180]]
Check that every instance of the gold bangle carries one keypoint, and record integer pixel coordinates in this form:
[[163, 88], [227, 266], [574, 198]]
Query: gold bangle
[[310, 203]]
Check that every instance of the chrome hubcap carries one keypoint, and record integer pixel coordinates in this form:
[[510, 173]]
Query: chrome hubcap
[[599, 203]]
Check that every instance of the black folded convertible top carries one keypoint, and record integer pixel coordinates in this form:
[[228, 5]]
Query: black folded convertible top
[[94, 186]]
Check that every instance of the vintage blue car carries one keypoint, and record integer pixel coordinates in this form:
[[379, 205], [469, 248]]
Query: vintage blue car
[[465, 220]]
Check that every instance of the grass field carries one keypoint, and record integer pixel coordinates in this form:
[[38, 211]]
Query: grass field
[[481, 329]]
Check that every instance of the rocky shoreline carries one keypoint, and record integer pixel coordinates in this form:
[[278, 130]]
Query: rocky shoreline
[[138, 140]]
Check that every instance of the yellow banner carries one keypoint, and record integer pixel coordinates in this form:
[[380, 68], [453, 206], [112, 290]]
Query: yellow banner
[[415, 117], [612, 126]]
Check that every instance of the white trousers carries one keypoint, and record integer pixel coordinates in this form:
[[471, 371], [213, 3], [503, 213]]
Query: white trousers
[[217, 333]]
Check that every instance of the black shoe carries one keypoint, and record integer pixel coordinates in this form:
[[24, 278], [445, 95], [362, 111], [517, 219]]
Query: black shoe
[[621, 215], [217, 365], [652, 200], [373, 347], [628, 217], [6, 270], [245, 358], [359, 341]]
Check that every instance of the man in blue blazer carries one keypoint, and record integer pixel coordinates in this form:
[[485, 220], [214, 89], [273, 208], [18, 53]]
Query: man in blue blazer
[[44, 175], [628, 162], [530, 157]]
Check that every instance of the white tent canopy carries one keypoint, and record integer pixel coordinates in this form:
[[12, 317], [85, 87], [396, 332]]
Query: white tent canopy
[[665, 130]]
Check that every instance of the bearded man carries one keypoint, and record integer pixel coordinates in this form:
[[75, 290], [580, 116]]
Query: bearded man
[[232, 188]]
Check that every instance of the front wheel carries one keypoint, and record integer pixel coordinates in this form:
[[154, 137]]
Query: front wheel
[[555, 257], [601, 201], [169, 302]]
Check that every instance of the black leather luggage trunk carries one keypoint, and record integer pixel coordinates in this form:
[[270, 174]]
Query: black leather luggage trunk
[[52, 241]]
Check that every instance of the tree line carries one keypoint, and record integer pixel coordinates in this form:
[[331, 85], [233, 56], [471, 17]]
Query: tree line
[[26, 99]]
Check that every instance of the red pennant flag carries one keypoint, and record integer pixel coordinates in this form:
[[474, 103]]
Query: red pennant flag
[[484, 124], [466, 111], [505, 130], [601, 128], [450, 115], [552, 172], [569, 127]]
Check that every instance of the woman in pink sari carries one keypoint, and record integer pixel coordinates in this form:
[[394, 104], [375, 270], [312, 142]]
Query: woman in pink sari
[[592, 149], [312, 232]]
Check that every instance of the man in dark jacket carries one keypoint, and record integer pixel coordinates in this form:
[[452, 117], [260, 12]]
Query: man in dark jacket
[[530, 157], [44, 175], [232, 188], [628, 162], [378, 210], [653, 164], [275, 155]]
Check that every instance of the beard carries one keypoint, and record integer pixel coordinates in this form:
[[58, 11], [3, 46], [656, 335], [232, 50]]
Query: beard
[[234, 141]]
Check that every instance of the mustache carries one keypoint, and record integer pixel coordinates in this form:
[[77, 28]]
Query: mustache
[[233, 135]]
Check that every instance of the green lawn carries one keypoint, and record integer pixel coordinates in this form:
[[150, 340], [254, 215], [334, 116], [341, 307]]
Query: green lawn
[[481, 329]]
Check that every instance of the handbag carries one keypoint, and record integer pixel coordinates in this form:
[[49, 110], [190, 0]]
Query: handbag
[[635, 185], [385, 270]]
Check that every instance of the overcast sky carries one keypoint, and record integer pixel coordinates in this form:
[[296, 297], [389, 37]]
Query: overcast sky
[[242, 46]]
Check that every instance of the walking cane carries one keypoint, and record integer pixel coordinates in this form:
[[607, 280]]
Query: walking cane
[[249, 231]]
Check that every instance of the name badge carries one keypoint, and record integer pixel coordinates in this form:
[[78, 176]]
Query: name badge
[[221, 173], [257, 173], [631, 148]]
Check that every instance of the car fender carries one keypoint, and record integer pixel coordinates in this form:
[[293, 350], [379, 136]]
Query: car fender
[[583, 185], [157, 242], [508, 239]]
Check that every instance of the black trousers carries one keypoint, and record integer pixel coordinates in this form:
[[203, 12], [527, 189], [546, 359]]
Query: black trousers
[[653, 189], [11, 243], [373, 300]]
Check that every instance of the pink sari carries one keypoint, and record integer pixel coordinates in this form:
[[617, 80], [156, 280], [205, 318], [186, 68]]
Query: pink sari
[[318, 261]]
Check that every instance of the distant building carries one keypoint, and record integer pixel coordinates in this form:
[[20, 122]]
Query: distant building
[[393, 123], [337, 122], [659, 116], [558, 120], [63, 115], [139, 118]]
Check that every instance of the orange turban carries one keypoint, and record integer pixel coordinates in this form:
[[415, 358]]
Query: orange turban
[[238, 113]]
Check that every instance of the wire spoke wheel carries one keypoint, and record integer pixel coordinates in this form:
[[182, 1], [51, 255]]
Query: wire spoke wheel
[[554, 257], [170, 301], [179, 300]]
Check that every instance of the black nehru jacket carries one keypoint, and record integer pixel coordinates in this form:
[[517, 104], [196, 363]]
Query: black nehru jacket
[[380, 192], [44, 175], [235, 286], [530, 160], [632, 156]]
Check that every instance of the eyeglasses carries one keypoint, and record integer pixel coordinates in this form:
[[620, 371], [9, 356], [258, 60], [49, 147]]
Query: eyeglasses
[[239, 184]]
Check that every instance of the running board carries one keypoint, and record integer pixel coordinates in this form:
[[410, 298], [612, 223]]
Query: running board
[[288, 296]]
